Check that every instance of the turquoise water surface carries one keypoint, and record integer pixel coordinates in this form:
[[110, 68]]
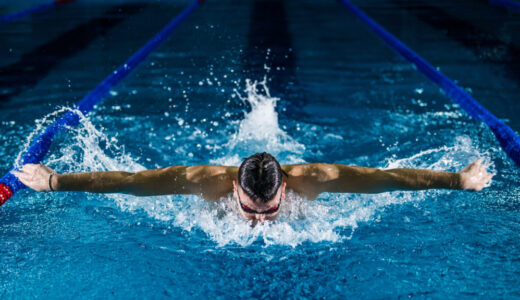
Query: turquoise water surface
[[302, 80]]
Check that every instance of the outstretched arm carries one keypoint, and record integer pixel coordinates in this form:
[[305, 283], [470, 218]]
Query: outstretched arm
[[205, 180], [312, 179]]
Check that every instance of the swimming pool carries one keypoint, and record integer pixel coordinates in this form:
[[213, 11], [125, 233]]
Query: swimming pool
[[344, 97]]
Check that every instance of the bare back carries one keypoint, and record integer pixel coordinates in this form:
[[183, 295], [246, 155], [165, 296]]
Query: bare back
[[217, 181]]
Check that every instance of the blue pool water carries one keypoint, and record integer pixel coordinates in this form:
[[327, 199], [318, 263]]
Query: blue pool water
[[302, 80]]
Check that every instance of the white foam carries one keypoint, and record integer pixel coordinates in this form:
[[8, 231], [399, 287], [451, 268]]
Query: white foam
[[41, 124], [330, 218], [260, 131]]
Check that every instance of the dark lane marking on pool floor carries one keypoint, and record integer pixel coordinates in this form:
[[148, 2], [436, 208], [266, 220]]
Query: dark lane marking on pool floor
[[268, 29], [485, 45], [35, 65]]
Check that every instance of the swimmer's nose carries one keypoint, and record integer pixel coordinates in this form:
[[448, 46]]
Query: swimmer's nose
[[260, 218]]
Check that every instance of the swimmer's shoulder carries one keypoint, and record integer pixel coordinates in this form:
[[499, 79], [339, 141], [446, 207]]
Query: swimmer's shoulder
[[217, 181], [292, 180], [213, 173], [309, 179]]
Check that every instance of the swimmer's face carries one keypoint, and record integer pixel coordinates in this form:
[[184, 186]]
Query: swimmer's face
[[264, 211]]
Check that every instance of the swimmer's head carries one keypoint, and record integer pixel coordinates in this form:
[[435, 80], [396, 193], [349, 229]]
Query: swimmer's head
[[260, 177], [260, 188]]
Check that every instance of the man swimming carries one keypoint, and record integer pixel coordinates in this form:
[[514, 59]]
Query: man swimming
[[258, 185]]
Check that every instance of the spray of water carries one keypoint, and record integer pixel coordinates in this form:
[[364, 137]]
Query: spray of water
[[260, 130], [41, 124], [332, 217]]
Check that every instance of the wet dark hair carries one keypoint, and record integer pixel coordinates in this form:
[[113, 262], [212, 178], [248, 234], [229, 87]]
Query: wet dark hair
[[260, 176]]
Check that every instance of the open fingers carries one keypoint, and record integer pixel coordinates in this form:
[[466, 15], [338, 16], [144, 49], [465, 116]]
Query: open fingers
[[488, 178], [32, 180], [478, 165], [23, 177], [468, 167], [29, 167], [472, 165], [48, 169], [481, 169], [20, 174]]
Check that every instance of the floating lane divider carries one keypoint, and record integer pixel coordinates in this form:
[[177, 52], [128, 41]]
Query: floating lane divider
[[32, 10], [9, 184], [507, 4], [508, 139]]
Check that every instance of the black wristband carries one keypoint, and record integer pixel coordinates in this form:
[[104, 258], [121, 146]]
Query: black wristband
[[50, 181]]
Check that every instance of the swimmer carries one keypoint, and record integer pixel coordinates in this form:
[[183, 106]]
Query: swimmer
[[258, 185]]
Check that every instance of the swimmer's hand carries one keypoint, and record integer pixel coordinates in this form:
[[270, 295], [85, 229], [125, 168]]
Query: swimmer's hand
[[474, 177], [36, 176]]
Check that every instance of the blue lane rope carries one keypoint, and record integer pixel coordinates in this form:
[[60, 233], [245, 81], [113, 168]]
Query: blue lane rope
[[30, 11], [9, 184], [506, 3], [508, 139]]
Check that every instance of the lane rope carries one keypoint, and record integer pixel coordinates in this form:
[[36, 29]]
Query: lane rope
[[36, 9], [508, 139], [9, 184], [507, 4]]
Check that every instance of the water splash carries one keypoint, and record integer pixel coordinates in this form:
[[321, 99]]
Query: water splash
[[41, 124], [333, 217], [92, 149], [260, 130], [330, 218], [447, 158]]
